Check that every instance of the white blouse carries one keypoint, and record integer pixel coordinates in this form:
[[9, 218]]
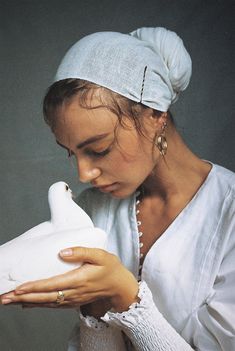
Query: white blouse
[[187, 286]]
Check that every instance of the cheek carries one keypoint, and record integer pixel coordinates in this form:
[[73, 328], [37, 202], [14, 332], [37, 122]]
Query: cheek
[[131, 157], [131, 164]]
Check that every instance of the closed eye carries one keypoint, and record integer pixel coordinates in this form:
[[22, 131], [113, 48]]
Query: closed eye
[[98, 154], [89, 152]]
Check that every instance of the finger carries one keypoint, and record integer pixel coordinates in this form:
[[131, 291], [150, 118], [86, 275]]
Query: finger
[[72, 298], [4, 296], [57, 282], [32, 298], [84, 254], [95, 256]]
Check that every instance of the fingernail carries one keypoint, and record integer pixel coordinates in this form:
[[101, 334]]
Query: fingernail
[[66, 252], [5, 301]]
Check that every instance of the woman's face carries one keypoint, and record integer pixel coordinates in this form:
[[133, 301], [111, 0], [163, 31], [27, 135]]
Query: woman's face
[[114, 159]]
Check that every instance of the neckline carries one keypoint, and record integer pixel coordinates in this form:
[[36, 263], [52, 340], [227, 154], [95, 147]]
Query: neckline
[[168, 230], [137, 192]]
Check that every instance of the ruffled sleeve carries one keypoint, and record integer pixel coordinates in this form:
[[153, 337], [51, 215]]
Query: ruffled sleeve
[[145, 326]]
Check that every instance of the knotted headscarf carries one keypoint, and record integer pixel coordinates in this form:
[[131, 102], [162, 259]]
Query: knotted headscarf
[[149, 65]]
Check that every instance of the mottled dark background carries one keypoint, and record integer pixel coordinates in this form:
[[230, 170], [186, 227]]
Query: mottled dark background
[[34, 36]]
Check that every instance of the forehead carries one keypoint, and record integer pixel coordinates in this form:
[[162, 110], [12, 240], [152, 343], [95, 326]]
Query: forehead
[[81, 123]]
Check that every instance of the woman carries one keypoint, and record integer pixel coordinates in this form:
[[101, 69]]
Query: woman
[[169, 215]]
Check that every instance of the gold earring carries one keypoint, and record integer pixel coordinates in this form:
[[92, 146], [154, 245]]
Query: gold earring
[[161, 141]]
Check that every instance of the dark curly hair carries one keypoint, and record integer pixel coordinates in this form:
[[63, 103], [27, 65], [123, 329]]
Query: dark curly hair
[[65, 90]]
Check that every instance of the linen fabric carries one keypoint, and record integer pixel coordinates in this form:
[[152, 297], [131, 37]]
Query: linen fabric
[[149, 65], [189, 271]]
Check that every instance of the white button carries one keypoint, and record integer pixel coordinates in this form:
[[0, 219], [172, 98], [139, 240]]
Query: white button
[[137, 202], [141, 255], [141, 245], [140, 234], [138, 211], [138, 223]]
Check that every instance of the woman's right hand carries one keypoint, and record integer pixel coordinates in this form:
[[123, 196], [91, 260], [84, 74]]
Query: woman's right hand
[[102, 276]]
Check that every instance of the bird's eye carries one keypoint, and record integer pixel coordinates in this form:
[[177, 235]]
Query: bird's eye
[[66, 187]]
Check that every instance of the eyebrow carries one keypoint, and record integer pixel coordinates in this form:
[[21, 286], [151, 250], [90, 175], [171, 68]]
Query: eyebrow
[[87, 141]]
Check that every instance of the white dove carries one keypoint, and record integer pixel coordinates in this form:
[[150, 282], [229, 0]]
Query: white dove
[[34, 254]]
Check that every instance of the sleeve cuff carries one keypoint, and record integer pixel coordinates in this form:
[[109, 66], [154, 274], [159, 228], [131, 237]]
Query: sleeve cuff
[[136, 311], [92, 322]]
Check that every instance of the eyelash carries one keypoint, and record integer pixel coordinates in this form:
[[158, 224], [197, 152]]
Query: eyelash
[[92, 153], [99, 154]]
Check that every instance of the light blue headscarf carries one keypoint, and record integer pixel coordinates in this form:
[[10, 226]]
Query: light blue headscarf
[[149, 65]]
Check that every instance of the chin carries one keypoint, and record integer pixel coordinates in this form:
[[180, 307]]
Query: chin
[[121, 194]]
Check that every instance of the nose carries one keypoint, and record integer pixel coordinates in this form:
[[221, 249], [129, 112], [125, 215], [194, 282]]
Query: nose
[[87, 172]]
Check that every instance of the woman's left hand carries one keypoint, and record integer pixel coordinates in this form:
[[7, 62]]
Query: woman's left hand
[[101, 276]]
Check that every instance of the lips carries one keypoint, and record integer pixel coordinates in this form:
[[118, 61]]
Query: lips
[[107, 188]]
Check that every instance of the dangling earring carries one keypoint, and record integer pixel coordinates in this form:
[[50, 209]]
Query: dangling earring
[[161, 142]]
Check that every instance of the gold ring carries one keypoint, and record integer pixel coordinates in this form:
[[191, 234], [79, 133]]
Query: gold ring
[[60, 297]]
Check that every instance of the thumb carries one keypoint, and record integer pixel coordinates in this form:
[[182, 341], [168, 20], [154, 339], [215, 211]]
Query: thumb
[[83, 254]]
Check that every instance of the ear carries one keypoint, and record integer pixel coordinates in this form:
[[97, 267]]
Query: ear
[[158, 120]]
